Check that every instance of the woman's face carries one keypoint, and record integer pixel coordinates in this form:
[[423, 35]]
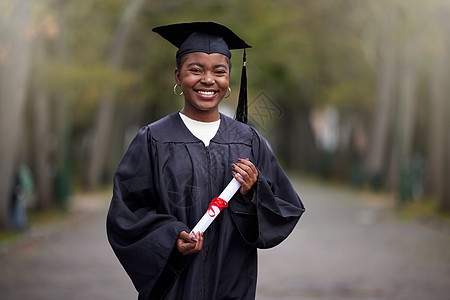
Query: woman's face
[[204, 80]]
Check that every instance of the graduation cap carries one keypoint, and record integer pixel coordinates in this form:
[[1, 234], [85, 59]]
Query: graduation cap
[[209, 37]]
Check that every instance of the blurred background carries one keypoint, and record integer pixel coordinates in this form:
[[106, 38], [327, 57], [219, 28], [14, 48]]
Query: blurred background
[[351, 91]]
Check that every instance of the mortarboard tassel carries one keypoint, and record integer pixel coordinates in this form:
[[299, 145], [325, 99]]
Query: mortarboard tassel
[[241, 110]]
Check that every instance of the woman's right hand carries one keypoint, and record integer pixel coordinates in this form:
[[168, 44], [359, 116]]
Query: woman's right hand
[[189, 243]]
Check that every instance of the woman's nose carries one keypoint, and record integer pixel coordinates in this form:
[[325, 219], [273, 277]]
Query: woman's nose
[[208, 78]]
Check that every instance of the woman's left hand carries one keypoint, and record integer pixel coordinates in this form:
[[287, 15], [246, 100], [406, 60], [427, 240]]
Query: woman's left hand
[[249, 173]]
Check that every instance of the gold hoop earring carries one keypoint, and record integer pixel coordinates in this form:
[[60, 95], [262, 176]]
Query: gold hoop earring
[[229, 93], [175, 90]]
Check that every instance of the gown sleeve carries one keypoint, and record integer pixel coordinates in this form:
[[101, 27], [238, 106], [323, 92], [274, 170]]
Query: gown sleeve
[[275, 208], [142, 238]]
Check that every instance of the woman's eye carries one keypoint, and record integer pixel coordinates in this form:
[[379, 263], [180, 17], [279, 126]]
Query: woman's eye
[[195, 70], [221, 72]]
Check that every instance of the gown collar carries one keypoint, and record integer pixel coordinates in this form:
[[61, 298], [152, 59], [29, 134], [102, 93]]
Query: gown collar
[[172, 129]]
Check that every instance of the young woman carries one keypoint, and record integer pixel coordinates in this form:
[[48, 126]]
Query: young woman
[[174, 168]]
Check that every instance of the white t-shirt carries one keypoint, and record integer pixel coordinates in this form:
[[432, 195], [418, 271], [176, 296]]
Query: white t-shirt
[[204, 131]]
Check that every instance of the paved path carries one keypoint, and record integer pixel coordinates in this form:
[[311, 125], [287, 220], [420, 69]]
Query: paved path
[[70, 260], [348, 245]]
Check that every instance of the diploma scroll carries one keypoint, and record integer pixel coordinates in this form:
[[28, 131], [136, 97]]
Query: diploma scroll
[[216, 205]]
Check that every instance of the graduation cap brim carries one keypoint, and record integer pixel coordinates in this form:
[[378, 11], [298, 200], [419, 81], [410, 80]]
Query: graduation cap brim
[[177, 34]]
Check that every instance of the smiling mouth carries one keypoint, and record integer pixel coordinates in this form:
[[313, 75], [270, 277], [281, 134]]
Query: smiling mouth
[[206, 93]]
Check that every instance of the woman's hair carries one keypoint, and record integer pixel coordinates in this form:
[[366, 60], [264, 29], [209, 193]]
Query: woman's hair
[[179, 62]]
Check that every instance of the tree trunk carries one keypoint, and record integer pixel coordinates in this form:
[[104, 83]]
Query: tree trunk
[[104, 123], [375, 160], [63, 116], [437, 128], [42, 136], [400, 177], [444, 89], [14, 70], [444, 204]]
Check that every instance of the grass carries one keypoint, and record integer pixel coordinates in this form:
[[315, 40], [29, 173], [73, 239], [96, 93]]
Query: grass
[[35, 219], [427, 211]]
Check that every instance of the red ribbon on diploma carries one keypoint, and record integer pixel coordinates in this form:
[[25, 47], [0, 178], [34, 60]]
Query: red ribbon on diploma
[[219, 202]]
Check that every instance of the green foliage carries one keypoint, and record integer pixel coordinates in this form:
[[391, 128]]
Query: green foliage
[[86, 81]]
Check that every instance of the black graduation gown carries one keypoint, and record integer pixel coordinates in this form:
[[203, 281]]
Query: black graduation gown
[[164, 185]]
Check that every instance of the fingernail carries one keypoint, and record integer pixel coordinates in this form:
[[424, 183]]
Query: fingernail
[[233, 166], [247, 159]]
